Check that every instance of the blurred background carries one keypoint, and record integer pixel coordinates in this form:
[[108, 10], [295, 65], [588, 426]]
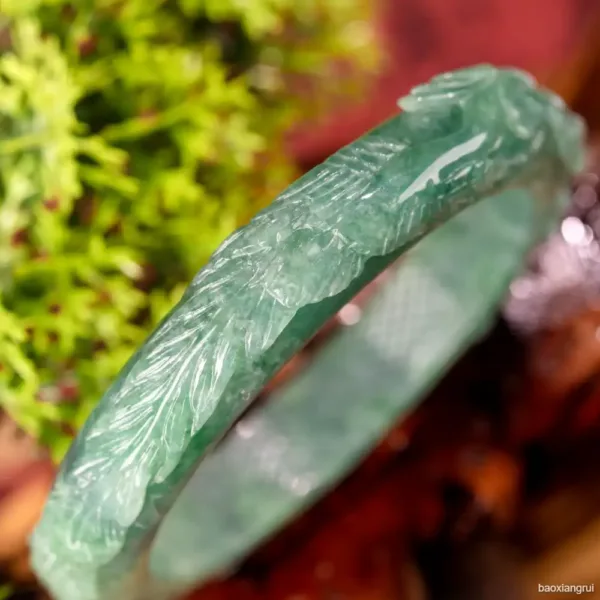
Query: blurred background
[[136, 134]]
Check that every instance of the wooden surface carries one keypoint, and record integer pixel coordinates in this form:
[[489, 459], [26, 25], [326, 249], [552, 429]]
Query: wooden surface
[[423, 37]]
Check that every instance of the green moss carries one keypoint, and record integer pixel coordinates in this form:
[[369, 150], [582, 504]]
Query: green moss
[[134, 136]]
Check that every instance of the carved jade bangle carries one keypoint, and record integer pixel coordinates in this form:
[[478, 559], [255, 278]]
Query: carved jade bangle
[[475, 134]]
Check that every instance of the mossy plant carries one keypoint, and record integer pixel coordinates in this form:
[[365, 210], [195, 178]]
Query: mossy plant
[[135, 135]]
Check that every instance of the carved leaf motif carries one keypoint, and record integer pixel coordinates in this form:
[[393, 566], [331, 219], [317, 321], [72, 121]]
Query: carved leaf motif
[[267, 289]]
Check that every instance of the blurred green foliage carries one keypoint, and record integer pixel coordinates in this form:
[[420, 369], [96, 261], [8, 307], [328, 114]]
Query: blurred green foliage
[[134, 136]]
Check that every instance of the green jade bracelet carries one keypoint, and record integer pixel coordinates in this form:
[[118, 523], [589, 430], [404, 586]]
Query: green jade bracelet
[[166, 486]]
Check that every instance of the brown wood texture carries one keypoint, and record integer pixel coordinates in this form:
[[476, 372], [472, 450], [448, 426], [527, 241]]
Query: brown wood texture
[[420, 38]]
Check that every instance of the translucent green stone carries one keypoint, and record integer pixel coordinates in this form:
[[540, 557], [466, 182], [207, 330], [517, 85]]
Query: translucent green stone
[[480, 133]]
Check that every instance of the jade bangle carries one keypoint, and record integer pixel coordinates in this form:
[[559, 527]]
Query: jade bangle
[[161, 429]]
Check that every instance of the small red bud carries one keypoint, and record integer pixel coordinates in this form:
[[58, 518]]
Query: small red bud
[[99, 345], [69, 390], [52, 203], [87, 45], [68, 429], [104, 297], [148, 114], [114, 229], [19, 237], [40, 255]]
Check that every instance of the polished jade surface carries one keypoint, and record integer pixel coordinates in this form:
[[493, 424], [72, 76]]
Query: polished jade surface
[[477, 134]]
